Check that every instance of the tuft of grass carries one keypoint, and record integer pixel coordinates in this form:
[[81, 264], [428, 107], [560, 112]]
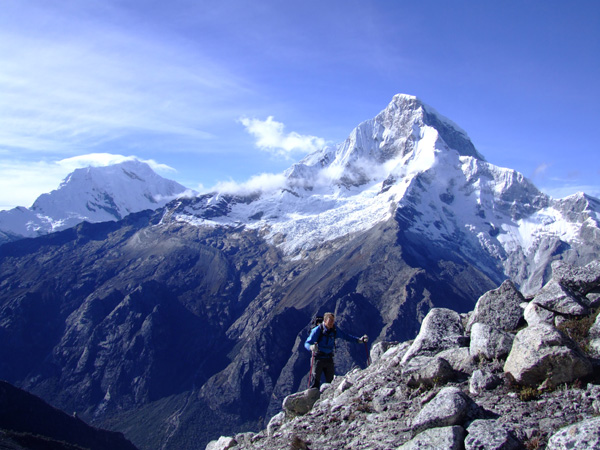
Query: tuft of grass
[[527, 394], [578, 329]]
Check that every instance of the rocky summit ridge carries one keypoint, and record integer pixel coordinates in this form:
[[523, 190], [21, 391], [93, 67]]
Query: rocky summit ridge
[[511, 374]]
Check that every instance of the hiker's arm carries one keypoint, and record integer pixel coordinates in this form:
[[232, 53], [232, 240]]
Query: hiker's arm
[[347, 337], [312, 338]]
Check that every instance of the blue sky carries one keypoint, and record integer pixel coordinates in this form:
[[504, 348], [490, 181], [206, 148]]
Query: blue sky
[[223, 91]]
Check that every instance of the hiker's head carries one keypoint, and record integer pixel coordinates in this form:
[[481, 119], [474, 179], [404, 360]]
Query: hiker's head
[[328, 319]]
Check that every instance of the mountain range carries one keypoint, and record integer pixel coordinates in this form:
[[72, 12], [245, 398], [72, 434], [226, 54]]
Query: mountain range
[[184, 322]]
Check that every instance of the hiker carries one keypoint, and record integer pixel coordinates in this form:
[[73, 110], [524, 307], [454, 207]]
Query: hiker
[[321, 342]]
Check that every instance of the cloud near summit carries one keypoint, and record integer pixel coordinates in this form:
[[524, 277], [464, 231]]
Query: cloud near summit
[[271, 137]]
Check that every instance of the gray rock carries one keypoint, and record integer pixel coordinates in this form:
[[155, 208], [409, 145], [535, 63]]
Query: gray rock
[[441, 329], [592, 299], [459, 358], [490, 435], [223, 443], [443, 438], [581, 435], [301, 402], [449, 407], [380, 348], [579, 279], [499, 308], [427, 371], [555, 297], [482, 381], [534, 314], [541, 353], [489, 342]]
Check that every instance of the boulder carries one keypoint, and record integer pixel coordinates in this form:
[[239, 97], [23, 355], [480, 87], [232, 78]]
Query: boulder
[[427, 371], [443, 438], [380, 348], [482, 381], [579, 279], [585, 434], [557, 298], [488, 342], [459, 358], [441, 329], [223, 443], [449, 407], [490, 435], [534, 314], [301, 402], [542, 353], [499, 308]]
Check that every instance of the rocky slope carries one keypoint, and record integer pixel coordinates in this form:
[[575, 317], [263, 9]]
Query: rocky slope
[[181, 324], [511, 374]]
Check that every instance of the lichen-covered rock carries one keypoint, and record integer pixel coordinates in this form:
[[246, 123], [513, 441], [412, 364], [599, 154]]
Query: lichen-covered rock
[[534, 314], [459, 358], [555, 297], [581, 435], [579, 279], [443, 438], [449, 407], [482, 381], [300, 402], [543, 354], [489, 342], [427, 371], [499, 308], [441, 329], [490, 435]]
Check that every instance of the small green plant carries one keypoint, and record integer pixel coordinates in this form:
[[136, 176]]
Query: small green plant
[[578, 329], [527, 394], [534, 443]]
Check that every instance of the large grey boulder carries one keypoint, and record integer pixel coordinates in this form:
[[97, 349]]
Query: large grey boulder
[[301, 402], [499, 308], [449, 407], [441, 329], [581, 435], [427, 371], [443, 438], [490, 435], [578, 279], [557, 298], [488, 342], [542, 353]]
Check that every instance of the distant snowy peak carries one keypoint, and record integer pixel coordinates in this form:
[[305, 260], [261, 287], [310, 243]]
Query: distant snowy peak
[[399, 140], [93, 194]]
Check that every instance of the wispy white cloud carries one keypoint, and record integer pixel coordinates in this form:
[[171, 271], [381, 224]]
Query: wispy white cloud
[[92, 82], [263, 182], [271, 136]]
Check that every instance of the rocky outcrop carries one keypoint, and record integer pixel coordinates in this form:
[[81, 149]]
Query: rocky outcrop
[[529, 388]]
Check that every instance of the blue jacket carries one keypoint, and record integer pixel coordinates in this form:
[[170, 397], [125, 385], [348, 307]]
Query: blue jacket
[[325, 338]]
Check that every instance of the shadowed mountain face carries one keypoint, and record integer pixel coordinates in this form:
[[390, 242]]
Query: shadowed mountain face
[[187, 323]]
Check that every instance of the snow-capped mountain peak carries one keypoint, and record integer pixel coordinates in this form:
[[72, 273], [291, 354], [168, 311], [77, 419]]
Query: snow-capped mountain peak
[[412, 164], [93, 194]]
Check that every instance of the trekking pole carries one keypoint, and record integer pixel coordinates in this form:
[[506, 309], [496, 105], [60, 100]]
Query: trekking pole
[[368, 354], [312, 362]]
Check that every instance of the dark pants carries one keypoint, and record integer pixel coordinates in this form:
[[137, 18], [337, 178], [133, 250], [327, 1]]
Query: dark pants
[[322, 366]]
